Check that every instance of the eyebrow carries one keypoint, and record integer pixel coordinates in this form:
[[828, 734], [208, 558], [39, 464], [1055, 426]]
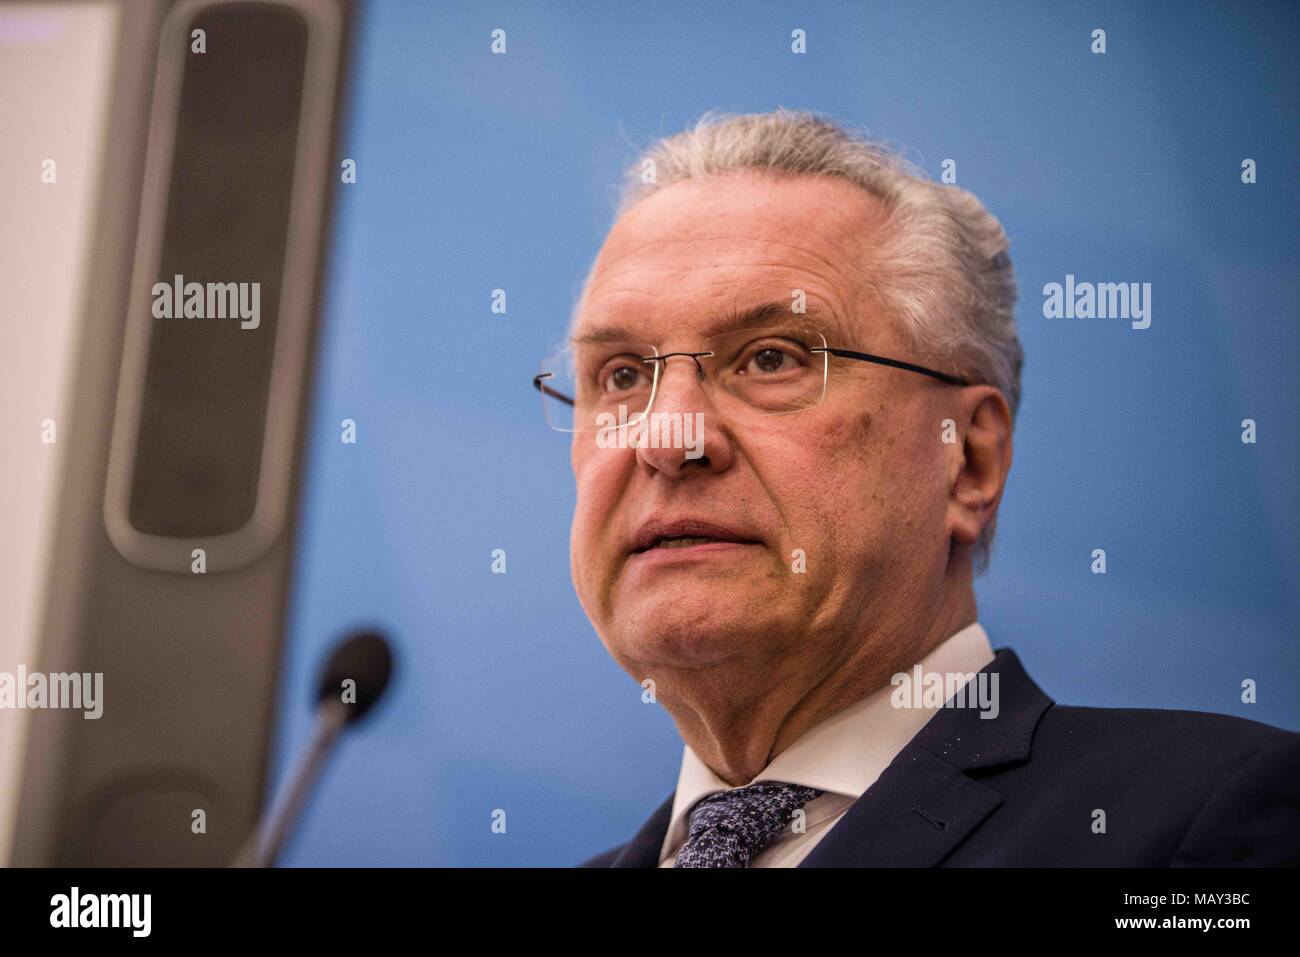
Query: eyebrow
[[751, 317]]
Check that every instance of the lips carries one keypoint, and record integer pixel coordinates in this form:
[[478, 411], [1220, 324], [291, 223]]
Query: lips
[[686, 532]]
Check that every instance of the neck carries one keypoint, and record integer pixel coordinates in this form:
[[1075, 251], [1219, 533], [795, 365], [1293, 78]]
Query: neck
[[737, 736]]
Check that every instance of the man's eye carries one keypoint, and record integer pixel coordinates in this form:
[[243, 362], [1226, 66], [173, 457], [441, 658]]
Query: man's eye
[[623, 378], [769, 360]]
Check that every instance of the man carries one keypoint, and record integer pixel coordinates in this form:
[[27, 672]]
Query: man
[[791, 382]]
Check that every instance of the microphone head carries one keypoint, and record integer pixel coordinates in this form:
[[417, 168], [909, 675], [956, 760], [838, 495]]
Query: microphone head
[[363, 658]]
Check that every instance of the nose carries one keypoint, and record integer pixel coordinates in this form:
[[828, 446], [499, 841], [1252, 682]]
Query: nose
[[681, 433], [695, 357]]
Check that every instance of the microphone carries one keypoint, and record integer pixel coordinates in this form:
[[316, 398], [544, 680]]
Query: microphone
[[353, 679]]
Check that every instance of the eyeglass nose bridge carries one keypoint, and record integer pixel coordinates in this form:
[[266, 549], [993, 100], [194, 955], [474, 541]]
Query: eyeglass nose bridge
[[661, 366], [695, 357]]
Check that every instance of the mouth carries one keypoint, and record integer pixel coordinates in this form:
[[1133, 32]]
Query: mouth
[[686, 541], [687, 535]]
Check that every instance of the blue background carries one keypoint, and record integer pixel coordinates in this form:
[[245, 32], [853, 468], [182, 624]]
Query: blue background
[[478, 172]]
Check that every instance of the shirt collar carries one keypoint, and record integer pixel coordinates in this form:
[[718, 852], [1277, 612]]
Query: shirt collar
[[847, 752]]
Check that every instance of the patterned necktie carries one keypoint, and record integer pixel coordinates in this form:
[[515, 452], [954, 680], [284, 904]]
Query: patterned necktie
[[730, 828]]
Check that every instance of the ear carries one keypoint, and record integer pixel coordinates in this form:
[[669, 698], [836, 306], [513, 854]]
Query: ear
[[980, 462]]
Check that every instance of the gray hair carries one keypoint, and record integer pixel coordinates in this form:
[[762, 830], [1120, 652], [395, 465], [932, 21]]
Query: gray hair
[[943, 270]]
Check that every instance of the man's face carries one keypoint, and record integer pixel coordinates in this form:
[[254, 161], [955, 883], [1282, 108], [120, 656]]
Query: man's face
[[856, 484]]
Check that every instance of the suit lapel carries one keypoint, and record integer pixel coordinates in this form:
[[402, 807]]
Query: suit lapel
[[643, 850], [924, 804], [913, 816]]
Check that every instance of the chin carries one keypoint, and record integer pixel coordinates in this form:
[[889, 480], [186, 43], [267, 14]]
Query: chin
[[682, 633]]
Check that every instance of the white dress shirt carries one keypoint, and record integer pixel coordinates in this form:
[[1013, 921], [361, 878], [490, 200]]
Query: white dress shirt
[[843, 756]]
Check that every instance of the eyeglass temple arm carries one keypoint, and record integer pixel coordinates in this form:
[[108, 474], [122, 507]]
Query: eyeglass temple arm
[[547, 390], [896, 363]]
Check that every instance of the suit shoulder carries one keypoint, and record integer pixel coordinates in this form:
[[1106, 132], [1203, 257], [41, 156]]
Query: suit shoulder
[[1154, 738], [1164, 723], [1188, 788], [1254, 816]]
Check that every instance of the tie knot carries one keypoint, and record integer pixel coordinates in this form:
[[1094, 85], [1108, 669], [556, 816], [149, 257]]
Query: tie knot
[[729, 828]]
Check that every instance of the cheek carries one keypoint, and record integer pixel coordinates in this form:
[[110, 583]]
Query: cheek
[[818, 477], [851, 448], [600, 477], [908, 471], [851, 499], [877, 472]]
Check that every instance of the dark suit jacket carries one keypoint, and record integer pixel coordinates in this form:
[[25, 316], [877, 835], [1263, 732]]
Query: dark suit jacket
[[1178, 788]]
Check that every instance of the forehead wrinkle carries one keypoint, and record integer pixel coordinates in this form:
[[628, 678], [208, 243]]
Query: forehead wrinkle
[[845, 224], [820, 316], [848, 263], [840, 269], [796, 278]]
